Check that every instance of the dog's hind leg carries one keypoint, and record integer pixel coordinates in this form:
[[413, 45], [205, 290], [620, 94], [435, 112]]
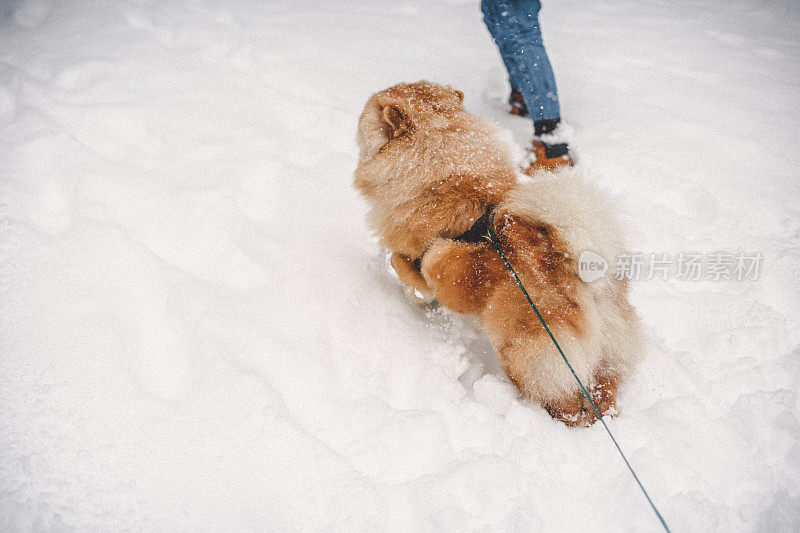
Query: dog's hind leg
[[462, 275]]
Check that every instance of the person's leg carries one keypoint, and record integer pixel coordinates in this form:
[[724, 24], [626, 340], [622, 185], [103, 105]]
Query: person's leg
[[514, 25], [515, 28], [492, 19]]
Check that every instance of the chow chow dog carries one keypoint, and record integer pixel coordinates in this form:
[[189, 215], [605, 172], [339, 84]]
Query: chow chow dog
[[434, 175]]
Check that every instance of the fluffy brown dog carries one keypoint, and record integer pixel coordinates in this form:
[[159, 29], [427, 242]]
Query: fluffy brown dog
[[430, 170]]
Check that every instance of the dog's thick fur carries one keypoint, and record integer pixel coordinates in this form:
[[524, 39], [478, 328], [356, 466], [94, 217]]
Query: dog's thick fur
[[430, 169]]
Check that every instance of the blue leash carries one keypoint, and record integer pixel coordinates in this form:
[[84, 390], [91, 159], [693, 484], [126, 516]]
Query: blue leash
[[496, 244]]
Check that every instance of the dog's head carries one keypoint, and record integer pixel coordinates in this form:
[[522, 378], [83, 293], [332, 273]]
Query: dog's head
[[424, 157], [405, 111]]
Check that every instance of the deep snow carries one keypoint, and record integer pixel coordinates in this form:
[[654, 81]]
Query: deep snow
[[197, 331]]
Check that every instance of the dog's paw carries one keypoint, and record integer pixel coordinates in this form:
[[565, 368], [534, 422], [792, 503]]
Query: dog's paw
[[418, 297], [604, 395], [414, 286], [574, 411]]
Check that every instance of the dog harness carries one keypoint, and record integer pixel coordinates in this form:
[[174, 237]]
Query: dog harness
[[478, 232]]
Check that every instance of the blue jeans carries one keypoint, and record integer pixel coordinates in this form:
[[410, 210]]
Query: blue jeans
[[514, 25]]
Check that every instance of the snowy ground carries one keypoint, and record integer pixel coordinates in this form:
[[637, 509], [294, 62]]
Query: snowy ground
[[197, 332]]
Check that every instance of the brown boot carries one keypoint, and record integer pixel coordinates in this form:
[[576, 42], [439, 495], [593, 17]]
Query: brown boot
[[548, 157], [517, 103]]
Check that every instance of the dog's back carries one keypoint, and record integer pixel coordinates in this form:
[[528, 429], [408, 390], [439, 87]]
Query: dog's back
[[570, 217]]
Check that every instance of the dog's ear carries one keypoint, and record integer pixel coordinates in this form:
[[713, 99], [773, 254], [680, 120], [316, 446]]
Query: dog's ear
[[460, 94], [397, 120]]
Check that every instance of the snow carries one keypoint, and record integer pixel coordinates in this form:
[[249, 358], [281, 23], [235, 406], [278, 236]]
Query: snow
[[198, 332]]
